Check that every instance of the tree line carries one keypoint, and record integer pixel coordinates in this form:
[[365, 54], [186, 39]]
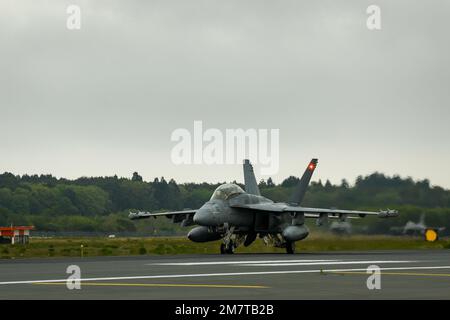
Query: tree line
[[102, 203]]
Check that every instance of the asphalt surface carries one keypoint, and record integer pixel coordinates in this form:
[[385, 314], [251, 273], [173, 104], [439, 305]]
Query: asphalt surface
[[326, 275]]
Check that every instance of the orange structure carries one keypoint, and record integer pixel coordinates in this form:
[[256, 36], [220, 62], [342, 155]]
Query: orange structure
[[16, 234]]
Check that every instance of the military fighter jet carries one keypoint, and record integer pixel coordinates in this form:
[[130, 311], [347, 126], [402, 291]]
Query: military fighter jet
[[414, 229], [238, 217], [341, 228]]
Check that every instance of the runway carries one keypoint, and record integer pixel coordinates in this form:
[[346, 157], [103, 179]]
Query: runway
[[421, 274]]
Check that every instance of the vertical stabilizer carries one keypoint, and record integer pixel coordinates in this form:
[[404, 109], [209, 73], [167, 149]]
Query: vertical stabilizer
[[251, 186], [300, 189], [422, 219]]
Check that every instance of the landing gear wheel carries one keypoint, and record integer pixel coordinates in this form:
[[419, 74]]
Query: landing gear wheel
[[227, 249], [290, 247], [230, 248]]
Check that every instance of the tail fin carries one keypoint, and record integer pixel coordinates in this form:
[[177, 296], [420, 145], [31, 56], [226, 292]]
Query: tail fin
[[249, 177], [300, 189], [422, 219]]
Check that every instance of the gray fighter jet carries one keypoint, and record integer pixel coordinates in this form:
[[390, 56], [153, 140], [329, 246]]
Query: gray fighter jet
[[341, 228], [238, 217], [414, 229]]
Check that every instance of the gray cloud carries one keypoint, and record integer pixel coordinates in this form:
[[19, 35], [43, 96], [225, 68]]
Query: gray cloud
[[105, 99]]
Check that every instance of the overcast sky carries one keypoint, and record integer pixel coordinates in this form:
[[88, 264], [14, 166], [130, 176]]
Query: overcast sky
[[105, 99]]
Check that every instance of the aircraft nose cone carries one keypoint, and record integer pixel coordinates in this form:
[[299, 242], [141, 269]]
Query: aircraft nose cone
[[204, 216]]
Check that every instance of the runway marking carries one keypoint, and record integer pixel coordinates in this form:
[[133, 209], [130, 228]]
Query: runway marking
[[226, 274], [397, 273], [115, 284], [231, 262], [323, 263]]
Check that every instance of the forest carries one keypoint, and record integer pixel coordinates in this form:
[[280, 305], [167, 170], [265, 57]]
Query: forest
[[101, 204]]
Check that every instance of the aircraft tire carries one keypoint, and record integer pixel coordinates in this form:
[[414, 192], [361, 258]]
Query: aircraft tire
[[290, 247], [230, 248]]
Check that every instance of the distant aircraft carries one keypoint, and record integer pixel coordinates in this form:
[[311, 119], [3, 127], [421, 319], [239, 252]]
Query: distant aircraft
[[419, 228], [341, 227], [238, 217]]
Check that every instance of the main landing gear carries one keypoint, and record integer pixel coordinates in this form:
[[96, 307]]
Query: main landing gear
[[227, 248]]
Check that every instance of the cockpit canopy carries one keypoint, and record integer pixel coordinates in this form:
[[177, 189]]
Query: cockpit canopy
[[226, 191]]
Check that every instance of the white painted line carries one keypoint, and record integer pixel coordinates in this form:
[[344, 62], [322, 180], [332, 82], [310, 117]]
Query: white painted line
[[322, 263], [199, 275], [208, 263]]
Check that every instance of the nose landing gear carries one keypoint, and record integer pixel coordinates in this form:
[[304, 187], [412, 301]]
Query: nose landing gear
[[228, 245], [290, 247]]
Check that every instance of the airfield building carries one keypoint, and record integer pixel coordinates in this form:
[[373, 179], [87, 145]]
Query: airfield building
[[13, 235]]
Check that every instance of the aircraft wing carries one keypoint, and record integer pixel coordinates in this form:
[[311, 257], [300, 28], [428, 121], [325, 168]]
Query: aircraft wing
[[183, 216], [316, 216], [313, 212]]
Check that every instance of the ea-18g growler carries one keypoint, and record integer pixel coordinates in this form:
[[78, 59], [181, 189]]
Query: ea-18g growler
[[239, 217]]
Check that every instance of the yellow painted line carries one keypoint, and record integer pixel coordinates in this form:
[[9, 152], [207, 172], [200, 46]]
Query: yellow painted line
[[113, 284], [397, 273]]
